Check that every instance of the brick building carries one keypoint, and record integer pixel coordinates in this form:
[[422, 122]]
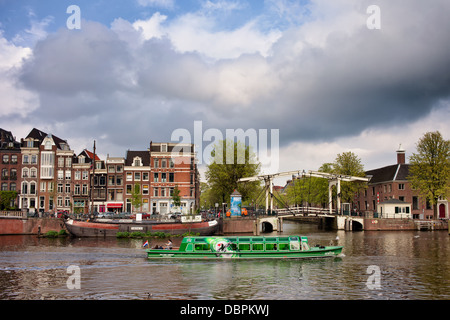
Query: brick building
[[170, 170], [391, 182], [10, 164], [50, 177]]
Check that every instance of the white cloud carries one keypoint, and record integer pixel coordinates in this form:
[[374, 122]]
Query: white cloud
[[168, 4]]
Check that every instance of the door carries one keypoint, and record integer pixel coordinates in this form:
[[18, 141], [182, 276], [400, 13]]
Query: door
[[442, 211]]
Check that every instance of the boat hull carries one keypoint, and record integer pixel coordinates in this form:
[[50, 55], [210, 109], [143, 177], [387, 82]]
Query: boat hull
[[327, 252], [101, 229]]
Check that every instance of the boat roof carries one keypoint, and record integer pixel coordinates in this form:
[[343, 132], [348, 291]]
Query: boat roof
[[248, 238]]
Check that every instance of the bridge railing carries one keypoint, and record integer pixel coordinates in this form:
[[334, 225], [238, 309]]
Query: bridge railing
[[301, 211], [13, 214]]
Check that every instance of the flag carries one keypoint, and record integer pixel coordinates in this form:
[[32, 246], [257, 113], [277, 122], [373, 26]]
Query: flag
[[145, 244]]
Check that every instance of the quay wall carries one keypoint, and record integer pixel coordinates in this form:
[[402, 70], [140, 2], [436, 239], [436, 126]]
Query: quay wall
[[31, 226], [231, 225]]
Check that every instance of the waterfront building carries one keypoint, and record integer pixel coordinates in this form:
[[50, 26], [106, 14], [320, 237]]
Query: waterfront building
[[10, 164], [389, 186], [49, 177], [115, 193], [170, 170], [81, 167], [137, 172]]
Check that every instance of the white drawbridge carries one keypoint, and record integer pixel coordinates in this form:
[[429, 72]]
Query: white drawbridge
[[334, 179]]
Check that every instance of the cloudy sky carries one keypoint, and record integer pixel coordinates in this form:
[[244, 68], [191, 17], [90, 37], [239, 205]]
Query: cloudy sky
[[138, 70]]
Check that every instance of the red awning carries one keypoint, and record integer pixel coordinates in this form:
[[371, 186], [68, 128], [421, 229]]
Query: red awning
[[114, 205]]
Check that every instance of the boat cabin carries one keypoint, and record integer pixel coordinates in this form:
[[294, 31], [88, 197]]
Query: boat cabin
[[245, 244]]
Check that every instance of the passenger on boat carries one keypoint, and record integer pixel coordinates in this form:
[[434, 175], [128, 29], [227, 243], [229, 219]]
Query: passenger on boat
[[169, 244]]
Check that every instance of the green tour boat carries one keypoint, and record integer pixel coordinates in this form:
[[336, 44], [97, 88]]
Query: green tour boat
[[245, 247]]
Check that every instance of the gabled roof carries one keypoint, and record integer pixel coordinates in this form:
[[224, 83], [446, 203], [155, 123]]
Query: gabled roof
[[396, 172], [144, 155], [39, 135]]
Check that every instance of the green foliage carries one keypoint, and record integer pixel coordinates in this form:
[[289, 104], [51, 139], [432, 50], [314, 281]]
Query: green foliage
[[429, 170], [231, 161], [350, 164], [51, 234], [176, 197], [6, 198], [136, 197]]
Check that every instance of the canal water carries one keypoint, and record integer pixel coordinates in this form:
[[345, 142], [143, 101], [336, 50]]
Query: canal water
[[374, 265]]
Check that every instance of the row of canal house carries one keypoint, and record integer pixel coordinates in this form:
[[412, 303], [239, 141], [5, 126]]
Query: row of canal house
[[49, 177]]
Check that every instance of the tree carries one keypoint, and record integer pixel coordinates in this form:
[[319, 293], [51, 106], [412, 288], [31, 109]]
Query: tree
[[136, 197], [429, 170], [348, 163], [222, 174], [176, 197], [6, 199]]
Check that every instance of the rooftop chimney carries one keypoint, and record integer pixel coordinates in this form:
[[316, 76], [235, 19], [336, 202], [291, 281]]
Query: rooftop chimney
[[401, 159]]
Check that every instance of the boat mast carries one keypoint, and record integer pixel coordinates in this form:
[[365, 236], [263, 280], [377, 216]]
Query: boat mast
[[92, 182]]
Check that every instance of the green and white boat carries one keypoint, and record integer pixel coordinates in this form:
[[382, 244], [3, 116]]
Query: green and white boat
[[245, 247]]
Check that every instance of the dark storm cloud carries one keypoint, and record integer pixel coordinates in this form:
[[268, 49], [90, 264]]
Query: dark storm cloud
[[353, 78]]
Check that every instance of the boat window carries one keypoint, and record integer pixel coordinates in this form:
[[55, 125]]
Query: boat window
[[305, 246], [283, 239], [202, 247], [232, 246], [200, 240], [293, 238], [283, 246], [244, 239], [271, 246], [258, 247], [295, 245], [244, 246]]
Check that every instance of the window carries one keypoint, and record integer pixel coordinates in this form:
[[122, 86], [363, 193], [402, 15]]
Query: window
[[25, 172], [14, 159], [145, 176], [59, 202], [60, 174], [119, 169], [5, 159], [77, 190], [244, 246], [85, 175], [30, 144], [156, 162], [4, 186], [163, 147], [68, 162], [163, 177], [103, 181], [81, 159], [163, 192], [111, 169], [25, 159], [155, 192], [34, 159], [33, 188], [271, 246], [163, 163], [47, 160], [128, 188], [60, 188], [202, 247], [401, 186], [415, 203], [171, 163], [119, 180], [24, 188], [119, 195], [171, 177], [48, 145], [257, 247], [67, 202], [145, 189], [68, 175], [84, 189], [33, 172], [111, 180], [129, 176], [4, 173], [43, 185], [67, 187], [137, 162], [60, 162], [155, 177], [137, 176], [283, 246], [12, 186]]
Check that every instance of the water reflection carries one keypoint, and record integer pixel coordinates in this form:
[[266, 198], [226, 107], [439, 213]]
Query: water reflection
[[413, 265]]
